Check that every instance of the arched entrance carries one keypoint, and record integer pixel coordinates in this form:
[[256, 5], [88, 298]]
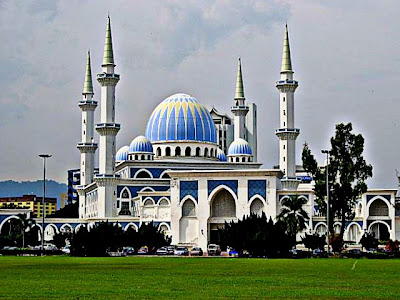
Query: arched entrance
[[222, 209], [380, 231]]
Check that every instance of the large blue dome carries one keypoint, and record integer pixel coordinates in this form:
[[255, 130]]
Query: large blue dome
[[181, 117]]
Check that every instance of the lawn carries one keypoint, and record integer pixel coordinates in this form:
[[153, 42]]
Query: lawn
[[204, 278]]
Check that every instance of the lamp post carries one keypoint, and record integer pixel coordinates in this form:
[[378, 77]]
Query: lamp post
[[44, 156], [327, 194]]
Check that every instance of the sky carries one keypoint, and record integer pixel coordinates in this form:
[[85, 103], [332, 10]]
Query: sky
[[345, 55]]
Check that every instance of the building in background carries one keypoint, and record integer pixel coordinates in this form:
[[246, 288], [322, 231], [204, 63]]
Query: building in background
[[31, 202]]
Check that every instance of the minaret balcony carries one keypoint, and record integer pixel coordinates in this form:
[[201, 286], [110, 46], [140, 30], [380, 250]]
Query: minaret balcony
[[86, 105], [240, 108], [108, 128], [287, 133], [108, 78], [287, 85], [87, 147]]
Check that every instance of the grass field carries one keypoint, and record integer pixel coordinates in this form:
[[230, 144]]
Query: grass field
[[204, 278]]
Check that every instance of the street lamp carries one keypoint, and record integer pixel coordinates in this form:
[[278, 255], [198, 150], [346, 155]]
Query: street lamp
[[327, 194], [44, 156]]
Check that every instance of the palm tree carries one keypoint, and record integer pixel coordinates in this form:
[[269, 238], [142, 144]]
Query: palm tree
[[292, 215], [25, 223]]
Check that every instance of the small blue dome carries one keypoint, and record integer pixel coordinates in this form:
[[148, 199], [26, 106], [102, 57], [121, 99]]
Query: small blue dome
[[181, 117], [122, 154], [240, 147], [140, 144], [221, 155]]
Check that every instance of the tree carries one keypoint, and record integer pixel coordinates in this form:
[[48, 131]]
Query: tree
[[25, 224], [346, 177], [293, 216], [368, 241], [314, 241]]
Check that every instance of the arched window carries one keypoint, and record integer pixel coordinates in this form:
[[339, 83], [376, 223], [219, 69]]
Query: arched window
[[188, 209], [166, 176], [143, 174], [237, 159], [321, 230], [178, 151], [223, 205], [168, 151], [187, 151], [163, 202], [125, 194], [148, 202], [243, 159], [198, 151], [142, 157], [206, 152], [158, 151], [256, 207], [378, 208], [212, 153]]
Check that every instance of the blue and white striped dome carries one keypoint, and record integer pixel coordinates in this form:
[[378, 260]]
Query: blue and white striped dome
[[181, 117], [221, 155], [122, 154], [140, 144], [240, 147]]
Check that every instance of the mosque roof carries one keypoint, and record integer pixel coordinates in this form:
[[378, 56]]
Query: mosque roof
[[240, 147], [181, 117], [140, 144]]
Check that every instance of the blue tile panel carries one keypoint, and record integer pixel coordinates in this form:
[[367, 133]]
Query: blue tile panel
[[190, 188], [212, 184], [369, 197], [135, 189], [257, 187]]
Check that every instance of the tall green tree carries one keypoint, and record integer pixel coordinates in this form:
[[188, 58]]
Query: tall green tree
[[293, 216], [347, 174], [25, 224]]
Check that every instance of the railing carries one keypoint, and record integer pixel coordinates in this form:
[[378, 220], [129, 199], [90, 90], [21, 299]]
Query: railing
[[105, 75], [287, 82], [296, 130]]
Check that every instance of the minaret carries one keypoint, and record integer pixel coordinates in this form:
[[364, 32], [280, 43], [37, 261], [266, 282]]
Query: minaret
[[287, 133], [87, 147], [240, 109], [107, 129]]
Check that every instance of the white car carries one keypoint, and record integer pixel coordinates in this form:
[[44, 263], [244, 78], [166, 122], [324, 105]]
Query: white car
[[66, 249]]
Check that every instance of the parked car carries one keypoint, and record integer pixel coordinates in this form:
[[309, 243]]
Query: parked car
[[352, 253], [317, 253], [128, 250], [196, 251], [181, 251], [50, 247], [143, 250], [171, 250], [233, 253], [213, 249], [162, 251]]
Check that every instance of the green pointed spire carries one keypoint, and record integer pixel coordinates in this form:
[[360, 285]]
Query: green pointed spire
[[88, 85], [286, 61], [108, 57], [239, 91]]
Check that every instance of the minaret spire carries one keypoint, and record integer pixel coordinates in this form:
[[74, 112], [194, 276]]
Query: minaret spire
[[108, 57], [88, 85], [239, 91], [286, 61], [240, 109]]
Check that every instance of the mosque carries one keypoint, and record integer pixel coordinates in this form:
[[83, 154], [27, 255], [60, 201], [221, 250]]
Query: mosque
[[194, 168]]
